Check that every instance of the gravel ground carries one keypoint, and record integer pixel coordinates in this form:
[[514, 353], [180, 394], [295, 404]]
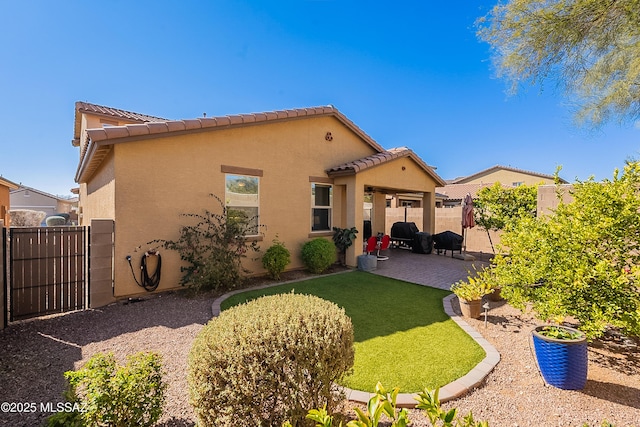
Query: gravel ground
[[35, 354]]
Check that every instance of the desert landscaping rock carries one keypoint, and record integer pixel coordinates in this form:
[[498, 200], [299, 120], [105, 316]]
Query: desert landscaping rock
[[35, 354]]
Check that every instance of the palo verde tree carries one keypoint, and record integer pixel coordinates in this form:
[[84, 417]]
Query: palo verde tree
[[496, 206], [590, 47], [583, 260]]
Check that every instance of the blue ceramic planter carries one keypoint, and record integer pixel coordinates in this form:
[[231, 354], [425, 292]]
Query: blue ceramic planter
[[563, 363]]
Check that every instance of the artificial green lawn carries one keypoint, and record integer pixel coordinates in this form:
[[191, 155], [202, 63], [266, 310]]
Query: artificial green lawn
[[403, 337]]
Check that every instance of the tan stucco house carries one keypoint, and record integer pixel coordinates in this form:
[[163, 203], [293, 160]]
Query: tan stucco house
[[509, 177], [506, 175], [33, 199], [309, 170], [5, 199]]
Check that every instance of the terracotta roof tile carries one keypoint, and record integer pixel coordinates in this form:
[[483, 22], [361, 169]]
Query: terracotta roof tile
[[137, 130], [175, 126], [249, 118], [191, 124], [158, 127], [115, 112], [355, 166], [208, 122], [155, 126]]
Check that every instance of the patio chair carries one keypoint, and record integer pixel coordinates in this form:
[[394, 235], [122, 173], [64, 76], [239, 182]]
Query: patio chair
[[372, 243], [382, 245]]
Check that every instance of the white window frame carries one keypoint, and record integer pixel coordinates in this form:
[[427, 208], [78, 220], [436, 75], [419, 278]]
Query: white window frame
[[329, 207]]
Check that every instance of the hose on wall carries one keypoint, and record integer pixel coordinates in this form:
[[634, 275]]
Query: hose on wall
[[149, 283]]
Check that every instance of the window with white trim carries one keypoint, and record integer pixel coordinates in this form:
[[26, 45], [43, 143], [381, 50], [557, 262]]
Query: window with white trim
[[242, 199], [321, 206]]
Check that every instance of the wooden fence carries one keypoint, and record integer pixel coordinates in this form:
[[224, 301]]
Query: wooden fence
[[48, 270]]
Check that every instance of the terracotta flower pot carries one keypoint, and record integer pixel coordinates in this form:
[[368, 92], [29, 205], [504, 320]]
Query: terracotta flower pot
[[496, 295], [471, 309]]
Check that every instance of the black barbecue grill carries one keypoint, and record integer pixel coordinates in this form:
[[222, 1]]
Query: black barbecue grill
[[403, 234], [447, 241]]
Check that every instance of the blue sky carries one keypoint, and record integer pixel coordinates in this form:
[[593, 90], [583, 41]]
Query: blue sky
[[408, 73]]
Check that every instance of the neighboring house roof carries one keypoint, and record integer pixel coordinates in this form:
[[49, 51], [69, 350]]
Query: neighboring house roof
[[99, 140], [34, 190], [355, 166], [109, 112], [7, 183], [455, 192], [464, 179]]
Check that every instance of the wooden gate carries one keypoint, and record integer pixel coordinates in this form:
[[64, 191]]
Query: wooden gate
[[47, 270]]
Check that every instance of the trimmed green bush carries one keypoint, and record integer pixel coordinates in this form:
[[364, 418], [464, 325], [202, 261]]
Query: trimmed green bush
[[269, 360], [318, 254], [107, 394], [276, 259]]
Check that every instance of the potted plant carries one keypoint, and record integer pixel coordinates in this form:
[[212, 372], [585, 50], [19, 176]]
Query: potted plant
[[343, 238], [562, 356], [470, 293]]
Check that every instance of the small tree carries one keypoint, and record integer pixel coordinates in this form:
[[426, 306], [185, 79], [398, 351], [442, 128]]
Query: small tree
[[588, 47], [581, 261], [496, 206], [214, 248]]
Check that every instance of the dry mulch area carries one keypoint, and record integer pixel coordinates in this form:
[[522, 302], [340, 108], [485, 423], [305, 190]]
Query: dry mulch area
[[35, 354]]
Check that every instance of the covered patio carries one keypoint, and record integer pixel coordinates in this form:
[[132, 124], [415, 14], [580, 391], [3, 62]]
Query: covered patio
[[398, 170], [437, 271]]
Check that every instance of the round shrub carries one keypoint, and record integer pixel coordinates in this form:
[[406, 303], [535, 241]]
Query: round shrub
[[56, 220], [269, 360], [275, 259], [318, 254]]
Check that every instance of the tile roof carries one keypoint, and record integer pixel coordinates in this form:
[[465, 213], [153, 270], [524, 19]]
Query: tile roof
[[458, 191], [108, 112], [10, 184], [462, 180], [116, 112], [100, 138], [355, 166], [44, 193], [168, 126]]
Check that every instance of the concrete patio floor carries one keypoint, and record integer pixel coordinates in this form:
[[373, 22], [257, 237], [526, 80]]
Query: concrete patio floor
[[437, 271]]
